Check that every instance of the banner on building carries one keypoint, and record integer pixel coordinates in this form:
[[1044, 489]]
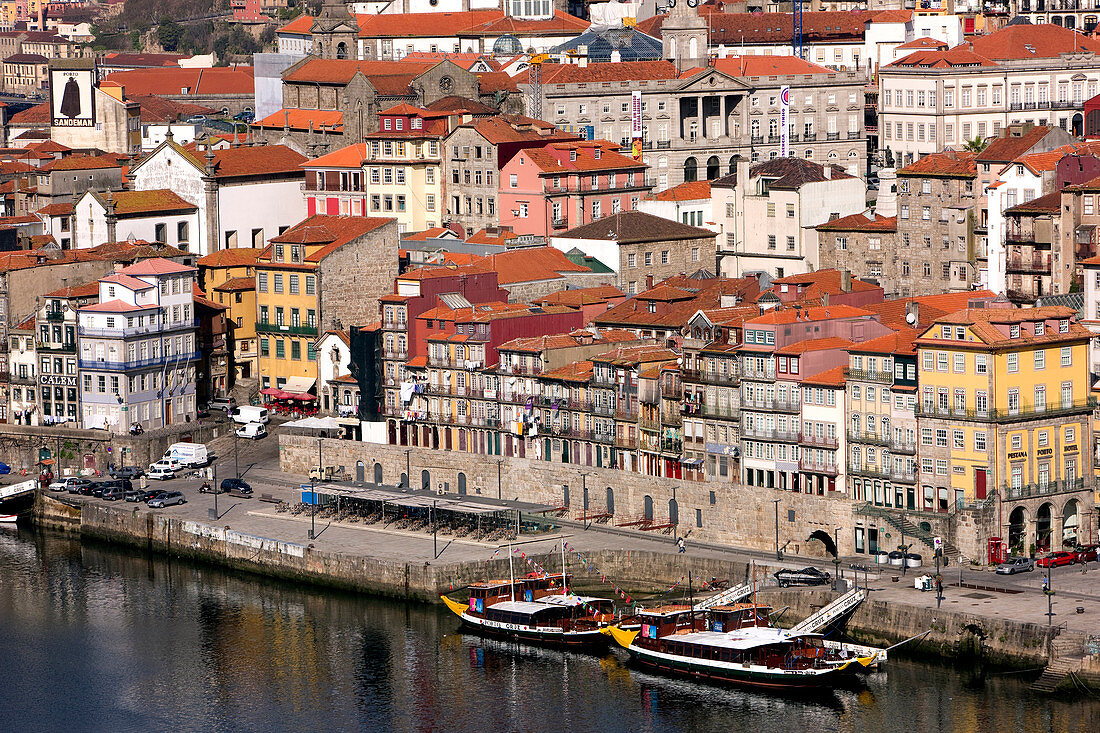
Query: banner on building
[[784, 125], [71, 100], [636, 122]]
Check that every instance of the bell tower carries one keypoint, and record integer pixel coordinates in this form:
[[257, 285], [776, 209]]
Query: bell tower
[[684, 35], [335, 32]]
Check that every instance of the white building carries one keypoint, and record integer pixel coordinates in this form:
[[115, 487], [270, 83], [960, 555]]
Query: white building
[[688, 203], [154, 134], [245, 195], [822, 436], [767, 223], [338, 389], [150, 216], [933, 99]]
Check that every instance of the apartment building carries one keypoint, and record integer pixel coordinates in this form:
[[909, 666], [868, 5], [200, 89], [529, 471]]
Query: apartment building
[[1004, 415], [933, 99], [137, 348], [229, 276]]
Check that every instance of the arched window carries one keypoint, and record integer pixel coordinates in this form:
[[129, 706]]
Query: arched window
[[733, 166], [714, 168], [809, 154], [341, 50], [691, 172]]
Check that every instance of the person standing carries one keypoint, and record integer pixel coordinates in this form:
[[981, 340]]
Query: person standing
[[680, 543]]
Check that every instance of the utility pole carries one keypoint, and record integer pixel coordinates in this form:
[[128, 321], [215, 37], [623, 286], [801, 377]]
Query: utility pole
[[778, 555], [236, 455], [836, 555]]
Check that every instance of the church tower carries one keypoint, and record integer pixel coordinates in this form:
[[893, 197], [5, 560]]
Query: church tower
[[335, 32], [684, 35]]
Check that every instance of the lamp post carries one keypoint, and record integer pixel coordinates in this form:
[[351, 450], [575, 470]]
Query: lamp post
[[236, 455], [500, 462], [408, 468], [778, 555], [676, 523], [214, 488], [836, 555], [313, 496], [1049, 593], [435, 536]]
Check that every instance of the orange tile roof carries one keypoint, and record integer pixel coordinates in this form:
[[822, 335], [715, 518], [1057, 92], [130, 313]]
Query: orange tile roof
[[331, 231], [237, 284], [578, 371], [264, 160], [87, 290], [829, 378], [892, 312], [893, 16], [500, 129], [634, 313], [582, 296], [766, 66], [351, 156], [301, 119], [1031, 41], [628, 71], [302, 25], [689, 191], [529, 265], [236, 257], [821, 282], [819, 313], [814, 344], [56, 210], [983, 324], [81, 162], [934, 59], [156, 266], [632, 355], [898, 342], [1010, 147], [561, 24], [865, 222], [170, 82], [923, 42], [425, 25], [39, 114], [341, 71], [952, 164], [149, 202], [557, 157]]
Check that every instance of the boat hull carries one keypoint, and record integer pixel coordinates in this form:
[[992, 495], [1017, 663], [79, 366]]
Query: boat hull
[[746, 675], [546, 636], [12, 507]]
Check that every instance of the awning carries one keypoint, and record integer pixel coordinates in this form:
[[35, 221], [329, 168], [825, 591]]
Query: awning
[[691, 462], [314, 423], [298, 384], [47, 461], [300, 396], [271, 391]]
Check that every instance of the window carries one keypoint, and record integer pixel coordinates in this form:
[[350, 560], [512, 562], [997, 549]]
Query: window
[[960, 363], [1013, 363], [981, 365], [1067, 356], [1040, 359]]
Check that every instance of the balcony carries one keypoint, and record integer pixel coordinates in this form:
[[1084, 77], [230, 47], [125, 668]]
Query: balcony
[[394, 324], [809, 465], [868, 438], [757, 139], [1037, 264], [1023, 412], [786, 436], [853, 134], [775, 404], [809, 137], [603, 409], [890, 474], [625, 413], [54, 316], [68, 347], [603, 380], [1020, 237], [832, 136], [751, 372], [671, 391], [663, 144], [703, 376], [285, 330], [649, 423], [605, 438], [823, 441], [622, 441], [128, 331], [727, 412], [558, 222], [1014, 493], [863, 375], [395, 354], [122, 366]]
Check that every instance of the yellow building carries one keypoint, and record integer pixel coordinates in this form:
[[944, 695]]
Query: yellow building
[[403, 173], [229, 278], [1004, 421]]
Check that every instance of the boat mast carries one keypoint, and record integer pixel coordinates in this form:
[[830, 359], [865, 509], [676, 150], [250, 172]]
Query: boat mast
[[511, 573], [563, 592]]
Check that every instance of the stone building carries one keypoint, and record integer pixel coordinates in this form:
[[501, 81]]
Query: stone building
[[643, 249]]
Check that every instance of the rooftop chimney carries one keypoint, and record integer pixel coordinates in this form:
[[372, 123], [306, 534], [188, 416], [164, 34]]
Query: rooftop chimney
[[828, 171], [912, 313], [648, 282], [846, 280], [886, 204]]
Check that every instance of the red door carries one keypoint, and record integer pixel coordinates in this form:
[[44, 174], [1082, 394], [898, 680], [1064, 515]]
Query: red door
[[979, 483]]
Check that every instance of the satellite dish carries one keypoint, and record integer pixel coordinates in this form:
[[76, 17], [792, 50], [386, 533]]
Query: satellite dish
[[507, 45], [911, 318]]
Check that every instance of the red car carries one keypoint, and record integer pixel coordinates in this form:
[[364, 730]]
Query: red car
[[1057, 559], [1086, 553]]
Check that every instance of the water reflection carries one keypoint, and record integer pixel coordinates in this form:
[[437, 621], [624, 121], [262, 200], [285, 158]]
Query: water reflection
[[104, 639]]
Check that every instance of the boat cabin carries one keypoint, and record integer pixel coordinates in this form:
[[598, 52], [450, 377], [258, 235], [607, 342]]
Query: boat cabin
[[668, 620], [738, 616], [565, 612], [530, 588]]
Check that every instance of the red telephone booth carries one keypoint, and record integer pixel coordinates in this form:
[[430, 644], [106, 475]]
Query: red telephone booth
[[998, 551]]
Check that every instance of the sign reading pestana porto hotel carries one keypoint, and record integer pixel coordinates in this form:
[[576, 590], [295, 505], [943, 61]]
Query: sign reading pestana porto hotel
[[71, 101]]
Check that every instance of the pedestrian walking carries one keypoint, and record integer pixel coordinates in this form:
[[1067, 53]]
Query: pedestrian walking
[[680, 543]]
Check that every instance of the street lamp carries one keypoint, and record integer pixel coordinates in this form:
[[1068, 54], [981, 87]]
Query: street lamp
[[236, 455], [676, 523], [1049, 593], [836, 555], [435, 535], [313, 494], [408, 468], [214, 486], [778, 554]]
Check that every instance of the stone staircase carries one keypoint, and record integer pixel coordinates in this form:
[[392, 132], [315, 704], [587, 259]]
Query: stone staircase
[[902, 524], [245, 390], [1067, 656]]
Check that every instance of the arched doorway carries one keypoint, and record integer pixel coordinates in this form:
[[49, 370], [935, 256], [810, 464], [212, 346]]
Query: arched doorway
[[565, 494], [673, 512], [425, 480], [1043, 527], [824, 538], [691, 170], [377, 473], [647, 507], [610, 500], [1071, 520], [1017, 530], [714, 168], [360, 472], [462, 484], [1077, 124], [404, 480], [732, 166]]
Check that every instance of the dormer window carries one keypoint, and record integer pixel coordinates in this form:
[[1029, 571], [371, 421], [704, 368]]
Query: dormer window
[[386, 123], [651, 306], [399, 124], [572, 155], [417, 123], [945, 332], [278, 253], [597, 153], [1040, 328], [1063, 326], [1014, 331], [960, 333]]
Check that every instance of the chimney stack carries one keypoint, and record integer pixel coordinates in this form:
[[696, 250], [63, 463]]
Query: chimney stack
[[648, 282], [912, 313], [886, 204], [846, 280]]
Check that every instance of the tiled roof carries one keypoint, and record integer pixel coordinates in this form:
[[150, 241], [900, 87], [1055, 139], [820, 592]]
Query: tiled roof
[[424, 235], [557, 158], [460, 104], [821, 282], [708, 294], [892, 312], [1010, 147], [578, 371], [893, 16], [896, 342], [595, 73], [332, 231], [156, 266], [934, 59], [301, 25], [1051, 203], [529, 265], [757, 28], [301, 119], [56, 210], [767, 66], [829, 378], [264, 160], [820, 313], [633, 355], [341, 71], [465, 60], [863, 222], [483, 236], [82, 162], [39, 114], [635, 227], [237, 284], [949, 164], [26, 58], [500, 129], [983, 324], [536, 344], [126, 281], [87, 290], [236, 257], [688, 191], [170, 82], [351, 156], [141, 60], [158, 109], [562, 24], [149, 202], [793, 173], [922, 43], [422, 25], [1026, 42], [826, 343]]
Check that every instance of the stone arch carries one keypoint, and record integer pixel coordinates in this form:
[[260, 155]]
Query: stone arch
[[647, 507], [732, 168], [425, 480], [1043, 526], [824, 538], [691, 170], [714, 167], [610, 500], [673, 512], [1071, 523], [1017, 531], [341, 50], [462, 484], [360, 471], [377, 473]]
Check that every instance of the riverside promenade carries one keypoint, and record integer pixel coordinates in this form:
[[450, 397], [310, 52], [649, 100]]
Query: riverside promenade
[[1005, 617]]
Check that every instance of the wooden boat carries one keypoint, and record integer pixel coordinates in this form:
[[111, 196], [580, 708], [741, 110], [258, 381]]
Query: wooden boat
[[16, 499], [536, 608], [736, 644]]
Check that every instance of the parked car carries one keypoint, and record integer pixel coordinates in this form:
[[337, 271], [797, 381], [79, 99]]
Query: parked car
[[122, 483], [129, 472], [160, 473], [1057, 559], [148, 495], [805, 576], [220, 404], [1014, 565], [1086, 553], [75, 484], [196, 119], [88, 489], [252, 431], [246, 116], [250, 413], [168, 499], [134, 495], [238, 485], [113, 493], [164, 463]]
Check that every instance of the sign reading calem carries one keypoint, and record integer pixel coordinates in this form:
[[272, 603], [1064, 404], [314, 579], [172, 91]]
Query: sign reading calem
[[72, 103]]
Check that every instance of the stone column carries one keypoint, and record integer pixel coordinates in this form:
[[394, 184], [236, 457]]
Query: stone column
[[699, 117], [725, 117]]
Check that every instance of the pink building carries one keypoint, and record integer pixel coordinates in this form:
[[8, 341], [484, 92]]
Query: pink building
[[565, 184]]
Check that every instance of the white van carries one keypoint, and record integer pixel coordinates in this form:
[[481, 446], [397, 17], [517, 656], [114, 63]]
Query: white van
[[188, 454], [252, 431], [248, 413], [166, 464]]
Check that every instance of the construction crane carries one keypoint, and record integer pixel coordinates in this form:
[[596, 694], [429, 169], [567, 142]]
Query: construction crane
[[536, 62], [796, 36]]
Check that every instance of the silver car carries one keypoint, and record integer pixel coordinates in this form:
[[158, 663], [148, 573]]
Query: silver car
[[168, 499], [1014, 565]]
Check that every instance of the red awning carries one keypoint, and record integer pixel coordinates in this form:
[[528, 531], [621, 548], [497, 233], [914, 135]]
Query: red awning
[[301, 397], [271, 391]]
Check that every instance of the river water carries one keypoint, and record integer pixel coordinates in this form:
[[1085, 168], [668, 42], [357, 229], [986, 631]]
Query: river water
[[104, 639]]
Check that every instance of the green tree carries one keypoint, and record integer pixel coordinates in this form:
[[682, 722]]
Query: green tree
[[976, 145], [169, 33]]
